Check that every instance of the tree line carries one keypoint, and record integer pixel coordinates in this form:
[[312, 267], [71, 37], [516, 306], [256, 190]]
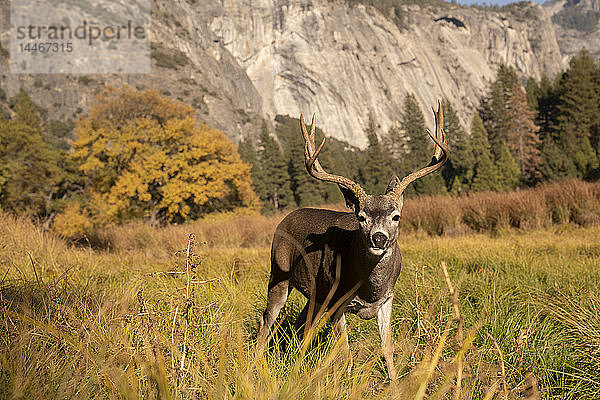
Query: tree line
[[519, 136], [140, 155]]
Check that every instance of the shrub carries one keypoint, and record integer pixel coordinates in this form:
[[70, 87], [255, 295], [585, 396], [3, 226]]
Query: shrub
[[570, 201]]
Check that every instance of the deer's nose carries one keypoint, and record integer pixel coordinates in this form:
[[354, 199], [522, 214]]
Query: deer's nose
[[379, 239]]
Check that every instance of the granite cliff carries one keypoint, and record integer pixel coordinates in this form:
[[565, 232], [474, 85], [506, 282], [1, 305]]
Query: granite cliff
[[577, 25], [349, 62], [239, 61]]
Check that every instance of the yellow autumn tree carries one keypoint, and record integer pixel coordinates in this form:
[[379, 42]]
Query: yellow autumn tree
[[146, 156]]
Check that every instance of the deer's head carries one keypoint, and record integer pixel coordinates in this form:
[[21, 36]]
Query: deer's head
[[378, 215]]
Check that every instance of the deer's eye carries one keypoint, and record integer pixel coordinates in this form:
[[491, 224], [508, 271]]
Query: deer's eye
[[396, 217], [362, 218]]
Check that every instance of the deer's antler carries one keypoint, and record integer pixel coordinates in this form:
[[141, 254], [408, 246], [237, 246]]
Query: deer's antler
[[313, 166], [440, 154]]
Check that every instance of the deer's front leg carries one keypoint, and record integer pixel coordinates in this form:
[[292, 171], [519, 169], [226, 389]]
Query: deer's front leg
[[339, 329], [384, 323]]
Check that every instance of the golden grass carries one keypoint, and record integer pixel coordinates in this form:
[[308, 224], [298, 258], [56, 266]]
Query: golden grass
[[541, 207], [140, 318]]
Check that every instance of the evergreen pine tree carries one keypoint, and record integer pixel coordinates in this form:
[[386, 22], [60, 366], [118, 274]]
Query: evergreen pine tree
[[555, 164], [420, 146], [35, 174], [578, 119], [458, 170], [274, 186], [32, 170], [339, 158], [493, 109], [395, 145], [375, 169], [248, 154], [247, 151], [509, 172], [306, 189], [522, 136], [485, 176], [534, 92], [420, 149], [547, 104]]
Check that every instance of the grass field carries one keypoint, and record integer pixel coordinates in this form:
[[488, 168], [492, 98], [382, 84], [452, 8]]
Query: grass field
[[144, 317]]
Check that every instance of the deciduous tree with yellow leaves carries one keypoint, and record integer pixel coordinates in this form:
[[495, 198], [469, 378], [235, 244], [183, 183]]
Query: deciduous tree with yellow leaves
[[146, 156]]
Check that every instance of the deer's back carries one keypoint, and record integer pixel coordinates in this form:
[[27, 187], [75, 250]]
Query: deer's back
[[306, 221], [311, 234], [306, 243]]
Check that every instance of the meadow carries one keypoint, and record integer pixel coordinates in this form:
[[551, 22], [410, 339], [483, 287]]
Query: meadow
[[171, 312]]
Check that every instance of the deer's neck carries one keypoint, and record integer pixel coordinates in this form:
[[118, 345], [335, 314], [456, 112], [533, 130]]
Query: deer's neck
[[375, 270]]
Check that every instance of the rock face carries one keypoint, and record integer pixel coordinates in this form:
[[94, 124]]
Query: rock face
[[347, 63], [577, 25], [188, 64], [239, 61]]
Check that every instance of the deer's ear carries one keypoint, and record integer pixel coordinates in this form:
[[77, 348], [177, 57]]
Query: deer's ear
[[392, 185], [351, 199]]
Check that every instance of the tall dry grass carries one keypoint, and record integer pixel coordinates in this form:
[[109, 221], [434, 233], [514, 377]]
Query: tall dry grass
[[571, 201], [512, 316], [228, 230]]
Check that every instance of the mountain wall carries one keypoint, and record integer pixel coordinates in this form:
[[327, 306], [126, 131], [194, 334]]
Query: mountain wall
[[241, 61], [576, 24], [347, 63], [188, 64]]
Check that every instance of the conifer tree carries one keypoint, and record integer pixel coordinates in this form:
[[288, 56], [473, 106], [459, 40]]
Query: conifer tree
[[547, 103], [30, 170], [375, 169], [395, 143], [485, 174], [413, 123], [578, 119], [306, 189], [458, 170], [274, 187], [420, 149], [493, 109], [509, 172], [555, 164], [34, 172], [534, 92], [248, 154], [247, 151], [522, 136]]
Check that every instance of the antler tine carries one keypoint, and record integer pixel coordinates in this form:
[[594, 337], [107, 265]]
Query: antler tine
[[313, 166], [440, 153]]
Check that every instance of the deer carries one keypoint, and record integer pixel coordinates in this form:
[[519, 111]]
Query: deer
[[343, 262]]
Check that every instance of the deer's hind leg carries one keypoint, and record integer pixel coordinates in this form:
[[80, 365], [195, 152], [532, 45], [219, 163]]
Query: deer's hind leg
[[307, 317], [279, 289]]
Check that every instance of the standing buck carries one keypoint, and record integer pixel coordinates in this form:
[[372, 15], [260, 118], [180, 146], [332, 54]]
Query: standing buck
[[343, 261]]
